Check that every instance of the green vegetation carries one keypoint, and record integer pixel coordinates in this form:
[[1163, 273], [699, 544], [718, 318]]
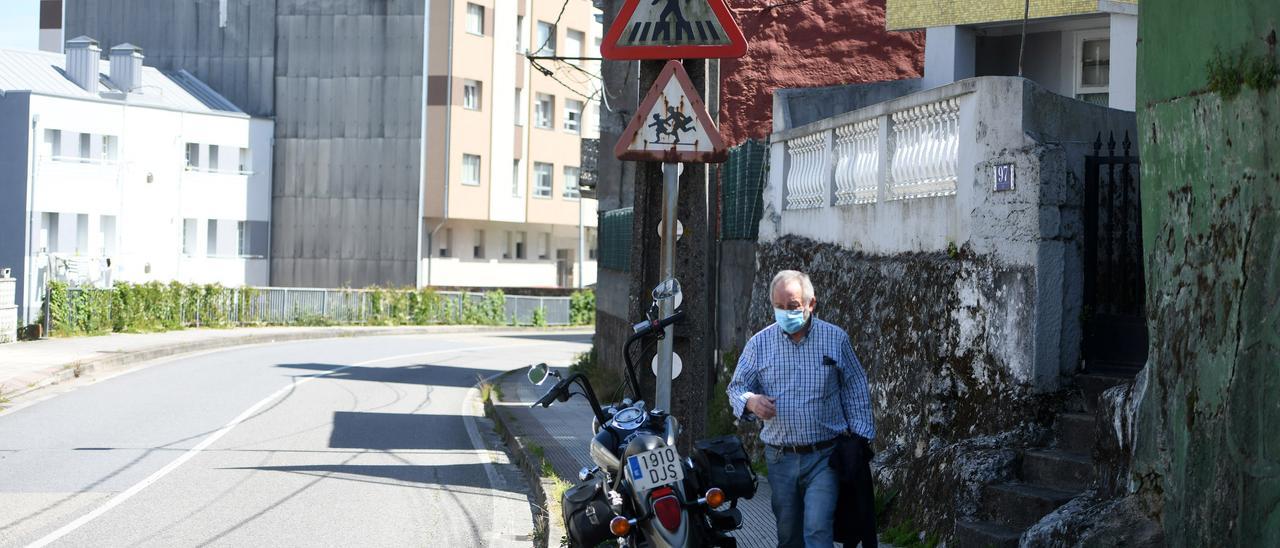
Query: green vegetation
[[154, 306], [907, 535], [1230, 72], [489, 391], [607, 382], [582, 307]]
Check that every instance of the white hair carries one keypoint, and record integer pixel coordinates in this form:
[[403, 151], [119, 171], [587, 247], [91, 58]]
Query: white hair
[[786, 276]]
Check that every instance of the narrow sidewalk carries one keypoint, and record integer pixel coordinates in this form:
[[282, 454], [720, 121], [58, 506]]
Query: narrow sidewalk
[[563, 430], [26, 367]]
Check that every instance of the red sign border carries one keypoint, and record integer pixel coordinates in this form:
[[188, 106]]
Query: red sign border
[[718, 153], [737, 46]]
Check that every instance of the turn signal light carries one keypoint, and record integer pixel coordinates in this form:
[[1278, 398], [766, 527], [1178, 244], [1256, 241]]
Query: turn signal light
[[620, 526], [715, 497]]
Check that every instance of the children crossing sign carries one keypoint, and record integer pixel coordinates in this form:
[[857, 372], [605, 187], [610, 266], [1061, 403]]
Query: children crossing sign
[[671, 124], [673, 29]]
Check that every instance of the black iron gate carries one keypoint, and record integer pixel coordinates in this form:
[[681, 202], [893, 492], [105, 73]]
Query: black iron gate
[[1114, 286]]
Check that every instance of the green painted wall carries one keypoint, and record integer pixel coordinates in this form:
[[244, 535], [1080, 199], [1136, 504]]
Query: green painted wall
[[1207, 455]]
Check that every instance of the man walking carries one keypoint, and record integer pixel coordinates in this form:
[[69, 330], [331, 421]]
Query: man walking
[[801, 376]]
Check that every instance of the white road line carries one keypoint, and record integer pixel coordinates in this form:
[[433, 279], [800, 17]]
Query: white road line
[[204, 444]]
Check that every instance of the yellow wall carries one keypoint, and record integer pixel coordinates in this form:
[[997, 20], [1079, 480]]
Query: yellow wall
[[917, 14]]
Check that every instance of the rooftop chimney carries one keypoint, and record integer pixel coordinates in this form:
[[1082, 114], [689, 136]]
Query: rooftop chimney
[[83, 54], [126, 67]]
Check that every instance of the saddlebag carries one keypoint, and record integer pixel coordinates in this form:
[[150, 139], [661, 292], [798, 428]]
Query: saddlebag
[[722, 462], [587, 513]]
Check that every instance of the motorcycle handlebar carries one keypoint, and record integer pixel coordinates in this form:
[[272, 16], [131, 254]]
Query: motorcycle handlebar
[[644, 328]]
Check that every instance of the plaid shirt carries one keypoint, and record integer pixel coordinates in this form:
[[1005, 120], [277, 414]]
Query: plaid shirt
[[803, 382]]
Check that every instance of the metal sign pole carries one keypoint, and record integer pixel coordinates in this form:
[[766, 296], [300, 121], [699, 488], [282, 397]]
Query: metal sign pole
[[670, 192]]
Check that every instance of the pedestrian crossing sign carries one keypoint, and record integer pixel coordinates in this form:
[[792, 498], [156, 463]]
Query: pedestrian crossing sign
[[673, 29], [671, 124]]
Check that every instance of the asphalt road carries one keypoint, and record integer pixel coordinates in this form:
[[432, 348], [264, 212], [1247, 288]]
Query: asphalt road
[[341, 442]]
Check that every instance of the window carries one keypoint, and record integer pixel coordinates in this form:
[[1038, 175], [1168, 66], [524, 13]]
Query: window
[[193, 156], [245, 164], [446, 243], [189, 237], [573, 41], [107, 235], [517, 189], [1093, 66], [477, 250], [242, 238], [520, 240], [519, 111], [519, 34], [592, 245], [83, 152], [82, 234], [546, 246], [573, 116], [508, 250], [542, 180], [544, 111], [471, 94], [110, 148], [475, 19], [545, 41], [571, 183], [211, 239], [470, 169], [52, 143], [49, 232], [213, 157]]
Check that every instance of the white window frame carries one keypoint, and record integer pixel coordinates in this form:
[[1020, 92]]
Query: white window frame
[[246, 161], [519, 110], [192, 149], [517, 189], [570, 51], [540, 191], [573, 116], [190, 231], [1077, 66], [475, 15], [572, 191], [544, 118], [549, 39], [519, 34], [471, 169], [472, 94]]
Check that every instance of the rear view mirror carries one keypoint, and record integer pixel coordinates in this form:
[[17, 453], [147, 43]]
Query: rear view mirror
[[538, 373], [668, 289]]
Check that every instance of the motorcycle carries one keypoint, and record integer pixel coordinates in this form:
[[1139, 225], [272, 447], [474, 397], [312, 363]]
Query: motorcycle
[[650, 495]]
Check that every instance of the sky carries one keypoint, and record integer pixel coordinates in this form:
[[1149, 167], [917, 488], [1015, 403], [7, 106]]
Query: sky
[[20, 24]]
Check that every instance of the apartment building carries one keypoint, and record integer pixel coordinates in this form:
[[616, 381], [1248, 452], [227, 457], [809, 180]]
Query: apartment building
[[112, 171], [505, 146], [361, 194]]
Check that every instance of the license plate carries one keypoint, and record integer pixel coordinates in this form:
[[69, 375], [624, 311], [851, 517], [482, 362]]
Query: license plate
[[655, 468]]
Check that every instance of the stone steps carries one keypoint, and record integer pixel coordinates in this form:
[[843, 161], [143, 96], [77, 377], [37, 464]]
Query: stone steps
[[1076, 432], [1092, 385], [1020, 505], [983, 534], [1058, 469]]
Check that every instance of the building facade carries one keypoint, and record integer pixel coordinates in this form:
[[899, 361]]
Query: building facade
[[361, 194], [119, 172]]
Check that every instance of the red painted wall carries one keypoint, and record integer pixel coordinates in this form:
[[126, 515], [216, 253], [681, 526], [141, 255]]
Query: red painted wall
[[808, 43]]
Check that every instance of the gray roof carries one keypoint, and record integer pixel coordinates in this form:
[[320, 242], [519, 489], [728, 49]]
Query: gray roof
[[43, 73]]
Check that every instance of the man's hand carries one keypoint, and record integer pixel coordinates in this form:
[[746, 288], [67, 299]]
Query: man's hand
[[762, 406]]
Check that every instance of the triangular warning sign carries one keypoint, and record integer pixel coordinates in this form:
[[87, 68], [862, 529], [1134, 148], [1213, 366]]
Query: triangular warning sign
[[671, 124], [673, 29]]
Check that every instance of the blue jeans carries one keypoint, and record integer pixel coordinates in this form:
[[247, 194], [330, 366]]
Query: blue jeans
[[805, 489]]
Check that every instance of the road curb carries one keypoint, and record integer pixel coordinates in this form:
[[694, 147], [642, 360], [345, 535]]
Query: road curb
[[548, 519], [100, 364]]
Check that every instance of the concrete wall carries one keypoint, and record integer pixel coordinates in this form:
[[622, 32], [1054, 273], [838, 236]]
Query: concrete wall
[[1207, 454]]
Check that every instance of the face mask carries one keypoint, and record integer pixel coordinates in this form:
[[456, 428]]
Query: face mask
[[791, 321]]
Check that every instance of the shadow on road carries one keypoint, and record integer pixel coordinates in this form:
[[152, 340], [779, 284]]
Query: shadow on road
[[451, 475], [424, 374], [357, 430]]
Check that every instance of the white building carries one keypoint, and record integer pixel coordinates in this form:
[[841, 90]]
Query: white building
[[112, 171]]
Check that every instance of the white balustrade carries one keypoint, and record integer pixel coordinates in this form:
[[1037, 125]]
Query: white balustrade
[[807, 172], [857, 153], [925, 150]]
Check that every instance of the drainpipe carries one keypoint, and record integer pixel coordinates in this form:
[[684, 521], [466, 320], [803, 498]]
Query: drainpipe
[[27, 246], [422, 145]]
